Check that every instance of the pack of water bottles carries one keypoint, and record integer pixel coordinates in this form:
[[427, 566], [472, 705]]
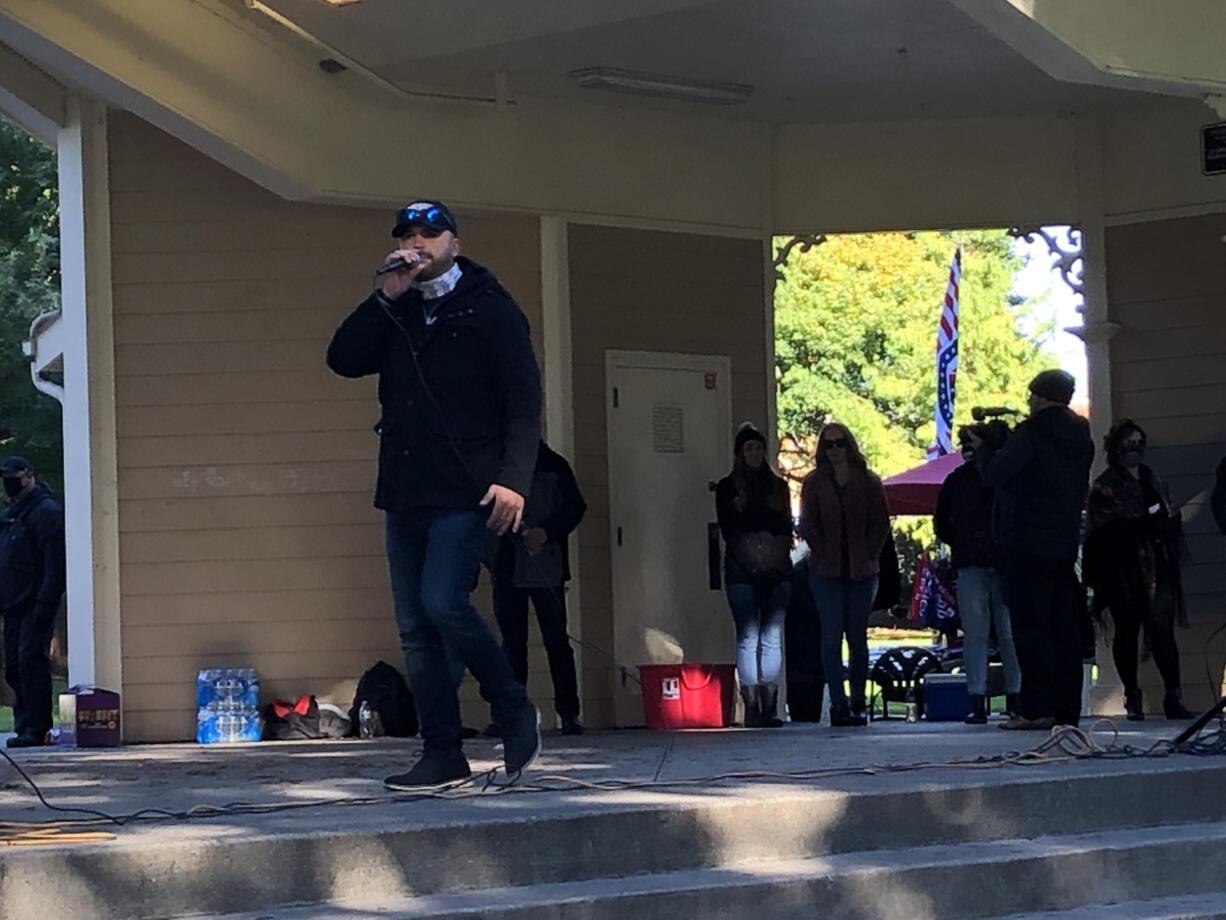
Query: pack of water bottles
[[227, 705]]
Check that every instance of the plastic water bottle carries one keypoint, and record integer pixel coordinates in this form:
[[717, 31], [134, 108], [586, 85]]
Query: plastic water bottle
[[912, 707], [369, 723]]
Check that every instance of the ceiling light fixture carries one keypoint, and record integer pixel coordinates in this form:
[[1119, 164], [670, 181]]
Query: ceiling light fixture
[[341, 2], [651, 84]]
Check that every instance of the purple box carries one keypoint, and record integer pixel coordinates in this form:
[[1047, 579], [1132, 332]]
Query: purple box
[[90, 717]]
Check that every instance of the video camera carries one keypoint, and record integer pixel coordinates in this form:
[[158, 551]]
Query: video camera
[[990, 425]]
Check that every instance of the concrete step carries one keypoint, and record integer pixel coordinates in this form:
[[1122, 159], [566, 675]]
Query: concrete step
[[1208, 906], [491, 842], [946, 882]]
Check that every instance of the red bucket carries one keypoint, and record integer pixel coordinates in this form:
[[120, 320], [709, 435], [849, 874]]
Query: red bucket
[[688, 695]]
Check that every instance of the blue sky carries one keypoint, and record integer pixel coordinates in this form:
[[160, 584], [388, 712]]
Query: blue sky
[[1051, 298]]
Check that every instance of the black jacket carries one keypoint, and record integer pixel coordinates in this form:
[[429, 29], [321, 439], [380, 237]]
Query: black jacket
[[32, 568], [964, 518], [757, 516], [476, 419], [1041, 477], [1218, 500], [551, 467]]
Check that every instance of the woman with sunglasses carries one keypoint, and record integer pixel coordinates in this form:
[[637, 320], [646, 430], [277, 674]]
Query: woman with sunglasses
[[1131, 560], [846, 522], [754, 511]]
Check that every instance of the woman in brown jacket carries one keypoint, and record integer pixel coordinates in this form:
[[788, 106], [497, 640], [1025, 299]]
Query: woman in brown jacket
[[846, 522]]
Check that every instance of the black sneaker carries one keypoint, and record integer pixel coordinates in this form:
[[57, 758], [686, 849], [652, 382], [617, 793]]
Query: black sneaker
[[25, 741], [571, 726], [521, 743], [435, 768]]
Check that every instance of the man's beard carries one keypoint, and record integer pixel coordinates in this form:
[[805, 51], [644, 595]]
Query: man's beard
[[436, 268]]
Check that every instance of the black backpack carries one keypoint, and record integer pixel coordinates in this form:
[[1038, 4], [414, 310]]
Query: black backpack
[[389, 697]]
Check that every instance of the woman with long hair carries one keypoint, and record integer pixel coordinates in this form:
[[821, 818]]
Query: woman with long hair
[[845, 520], [1131, 561], [754, 511]]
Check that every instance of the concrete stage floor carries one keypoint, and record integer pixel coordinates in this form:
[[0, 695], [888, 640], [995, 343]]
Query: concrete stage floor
[[335, 786]]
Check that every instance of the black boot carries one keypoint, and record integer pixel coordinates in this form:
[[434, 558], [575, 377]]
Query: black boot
[[1172, 705], [859, 709], [842, 717], [768, 705], [1134, 708], [753, 711], [1013, 705], [435, 768], [979, 710]]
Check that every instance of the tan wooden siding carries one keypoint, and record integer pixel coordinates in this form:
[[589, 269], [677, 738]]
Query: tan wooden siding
[[245, 467], [650, 291], [1167, 291]]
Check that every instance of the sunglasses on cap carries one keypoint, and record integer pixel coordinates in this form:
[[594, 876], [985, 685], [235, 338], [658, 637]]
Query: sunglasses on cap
[[831, 443], [431, 217]]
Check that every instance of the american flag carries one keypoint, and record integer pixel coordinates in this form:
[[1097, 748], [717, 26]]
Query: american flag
[[947, 362]]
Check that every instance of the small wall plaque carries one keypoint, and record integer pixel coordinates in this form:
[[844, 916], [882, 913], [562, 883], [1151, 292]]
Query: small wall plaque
[[1213, 149]]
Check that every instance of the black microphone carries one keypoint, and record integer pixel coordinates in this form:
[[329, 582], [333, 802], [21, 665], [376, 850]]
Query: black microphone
[[394, 266]]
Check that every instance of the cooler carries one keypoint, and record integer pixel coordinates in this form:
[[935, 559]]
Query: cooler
[[688, 695], [946, 698]]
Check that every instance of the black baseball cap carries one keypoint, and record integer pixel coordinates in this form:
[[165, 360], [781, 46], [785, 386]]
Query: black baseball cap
[[14, 466], [424, 213]]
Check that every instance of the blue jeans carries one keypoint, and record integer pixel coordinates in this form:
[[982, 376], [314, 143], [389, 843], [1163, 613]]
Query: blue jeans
[[759, 611], [981, 605], [434, 556], [843, 607]]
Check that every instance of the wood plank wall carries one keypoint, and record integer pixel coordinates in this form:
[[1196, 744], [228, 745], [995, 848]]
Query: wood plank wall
[[1167, 290], [245, 466]]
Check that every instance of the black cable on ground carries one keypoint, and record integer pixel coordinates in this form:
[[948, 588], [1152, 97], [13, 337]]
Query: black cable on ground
[[1063, 745]]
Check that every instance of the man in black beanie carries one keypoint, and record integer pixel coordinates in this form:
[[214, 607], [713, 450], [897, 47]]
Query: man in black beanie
[[1041, 476], [32, 577]]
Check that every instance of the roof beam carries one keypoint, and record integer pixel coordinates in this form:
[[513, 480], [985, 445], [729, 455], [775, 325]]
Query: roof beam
[[30, 97], [1173, 47]]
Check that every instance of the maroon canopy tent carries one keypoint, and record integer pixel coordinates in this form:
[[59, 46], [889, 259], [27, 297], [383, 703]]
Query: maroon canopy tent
[[915, 491]]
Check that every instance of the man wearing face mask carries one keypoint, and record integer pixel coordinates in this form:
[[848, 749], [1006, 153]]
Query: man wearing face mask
[[964, 523], [1041, 476], [1132, 562], [32, 576], [460, 395]]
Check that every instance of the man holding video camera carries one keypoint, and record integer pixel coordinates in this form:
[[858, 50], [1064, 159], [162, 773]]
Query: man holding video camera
[[1041, 474]]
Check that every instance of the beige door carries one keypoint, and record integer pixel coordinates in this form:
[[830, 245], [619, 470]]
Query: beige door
[[669, 436]]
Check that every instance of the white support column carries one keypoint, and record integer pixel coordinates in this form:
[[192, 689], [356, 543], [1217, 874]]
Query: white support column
[[559, 389], [90, 463], [1097, 330], [1106, 696]]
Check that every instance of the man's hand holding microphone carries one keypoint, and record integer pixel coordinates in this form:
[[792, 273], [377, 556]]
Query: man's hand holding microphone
[[399, 270]]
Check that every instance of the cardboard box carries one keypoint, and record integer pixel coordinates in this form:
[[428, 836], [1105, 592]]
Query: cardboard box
[[90, 717]]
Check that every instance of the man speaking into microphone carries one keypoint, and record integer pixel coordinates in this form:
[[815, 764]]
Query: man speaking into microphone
[[459, 390]]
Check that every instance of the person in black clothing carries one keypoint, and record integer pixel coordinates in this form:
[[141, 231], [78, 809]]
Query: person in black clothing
[[32, 576], [1133, 541], [964, 523], [1217, 500], [1041, 475], [535, 565], [752, 505], [460, 395], [806, 676]]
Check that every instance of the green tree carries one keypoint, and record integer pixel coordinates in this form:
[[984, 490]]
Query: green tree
[[29, 286], [856, 325], [855, 341]]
